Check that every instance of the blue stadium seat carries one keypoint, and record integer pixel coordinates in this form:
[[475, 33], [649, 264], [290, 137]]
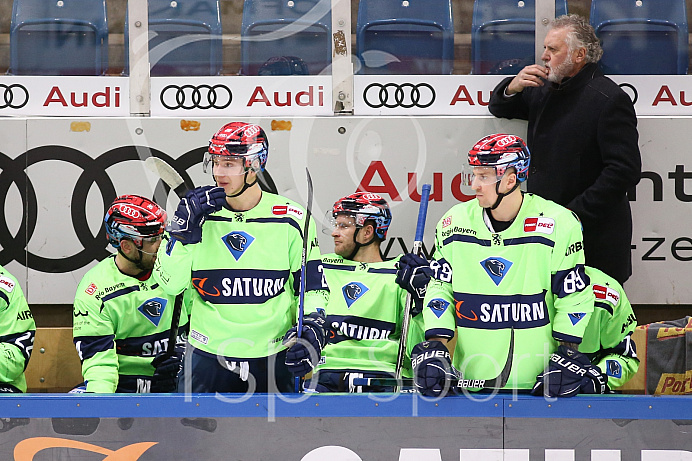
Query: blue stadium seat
[[503, 35], [642, 36], [58, 37], [184, 38], [405, 37], [297, 30]]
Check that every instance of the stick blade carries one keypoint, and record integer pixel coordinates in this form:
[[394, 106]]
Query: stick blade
[[164, 171]]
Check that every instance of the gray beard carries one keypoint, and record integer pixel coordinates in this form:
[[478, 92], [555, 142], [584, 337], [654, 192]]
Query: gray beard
[[557, 74]]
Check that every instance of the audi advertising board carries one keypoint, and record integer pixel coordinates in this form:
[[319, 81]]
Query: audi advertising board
[[84, 96], [299, 95], [252, 96], [59, 174], [470, 94]]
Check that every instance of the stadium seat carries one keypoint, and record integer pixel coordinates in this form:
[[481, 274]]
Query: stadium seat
[[297, 30], [503, 35], [184, 38], [405, 37], [642, 36], [58, 37]]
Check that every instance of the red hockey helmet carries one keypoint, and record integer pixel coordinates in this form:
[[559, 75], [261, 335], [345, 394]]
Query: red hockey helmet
[[501, 151], [241, 140], [363, 206], [134, 218]]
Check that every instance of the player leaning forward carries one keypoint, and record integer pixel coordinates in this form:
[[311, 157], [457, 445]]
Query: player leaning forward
[[240, 248], [518, 285], [122, 317]]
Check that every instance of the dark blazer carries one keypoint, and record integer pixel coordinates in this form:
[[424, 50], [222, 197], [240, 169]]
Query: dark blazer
[[583, 139]]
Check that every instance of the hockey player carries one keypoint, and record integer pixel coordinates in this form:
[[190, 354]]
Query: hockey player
[[122, 317], [241, 249], [366, 306], [17, 330], [608, 337], [509, 278]]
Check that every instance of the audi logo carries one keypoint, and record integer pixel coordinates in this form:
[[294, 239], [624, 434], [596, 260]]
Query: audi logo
[[404, 95], [12, 94], [95, 174], [196, 97]]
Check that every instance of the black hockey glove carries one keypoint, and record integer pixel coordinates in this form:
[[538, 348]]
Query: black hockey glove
[[167, 366], [432, 368], [304, 352], [413, 274], [186, 223], [569, 373]]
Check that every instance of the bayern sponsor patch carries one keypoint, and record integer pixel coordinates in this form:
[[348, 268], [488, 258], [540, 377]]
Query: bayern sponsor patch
[[7, 284], [91, 289], [606, 294], [281, 210], [447, 222], [542, 225]]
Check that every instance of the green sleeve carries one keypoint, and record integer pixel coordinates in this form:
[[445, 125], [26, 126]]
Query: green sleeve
[[609, 335], [573, 298], [438, 305], [17, 330], [173, 266], [94, 339], [627, 367], [11, 364]]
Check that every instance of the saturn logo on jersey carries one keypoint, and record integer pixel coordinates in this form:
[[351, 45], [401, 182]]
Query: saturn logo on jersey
[[496, 268], [237, 242], [353, 291], [492, 312], [152, 309]]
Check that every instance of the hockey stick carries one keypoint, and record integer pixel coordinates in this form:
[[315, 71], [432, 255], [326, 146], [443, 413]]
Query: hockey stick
[[496, 383], [176, 182], [303, 264], [416, 249], [304, 256]]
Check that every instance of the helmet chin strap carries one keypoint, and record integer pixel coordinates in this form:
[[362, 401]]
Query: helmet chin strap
[[358, 244], [501, 195], [137, 262]]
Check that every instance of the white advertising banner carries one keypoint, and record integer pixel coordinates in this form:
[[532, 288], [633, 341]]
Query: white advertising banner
[[64, 96], [249, 96], [470, 94], [423, 94], [281, 96], [60, 174]]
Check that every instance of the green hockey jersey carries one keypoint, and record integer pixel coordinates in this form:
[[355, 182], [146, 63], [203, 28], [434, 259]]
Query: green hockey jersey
[[364, 315], [17, 330], [607, 339], [119, 325], [526, 282], [246, 277]]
